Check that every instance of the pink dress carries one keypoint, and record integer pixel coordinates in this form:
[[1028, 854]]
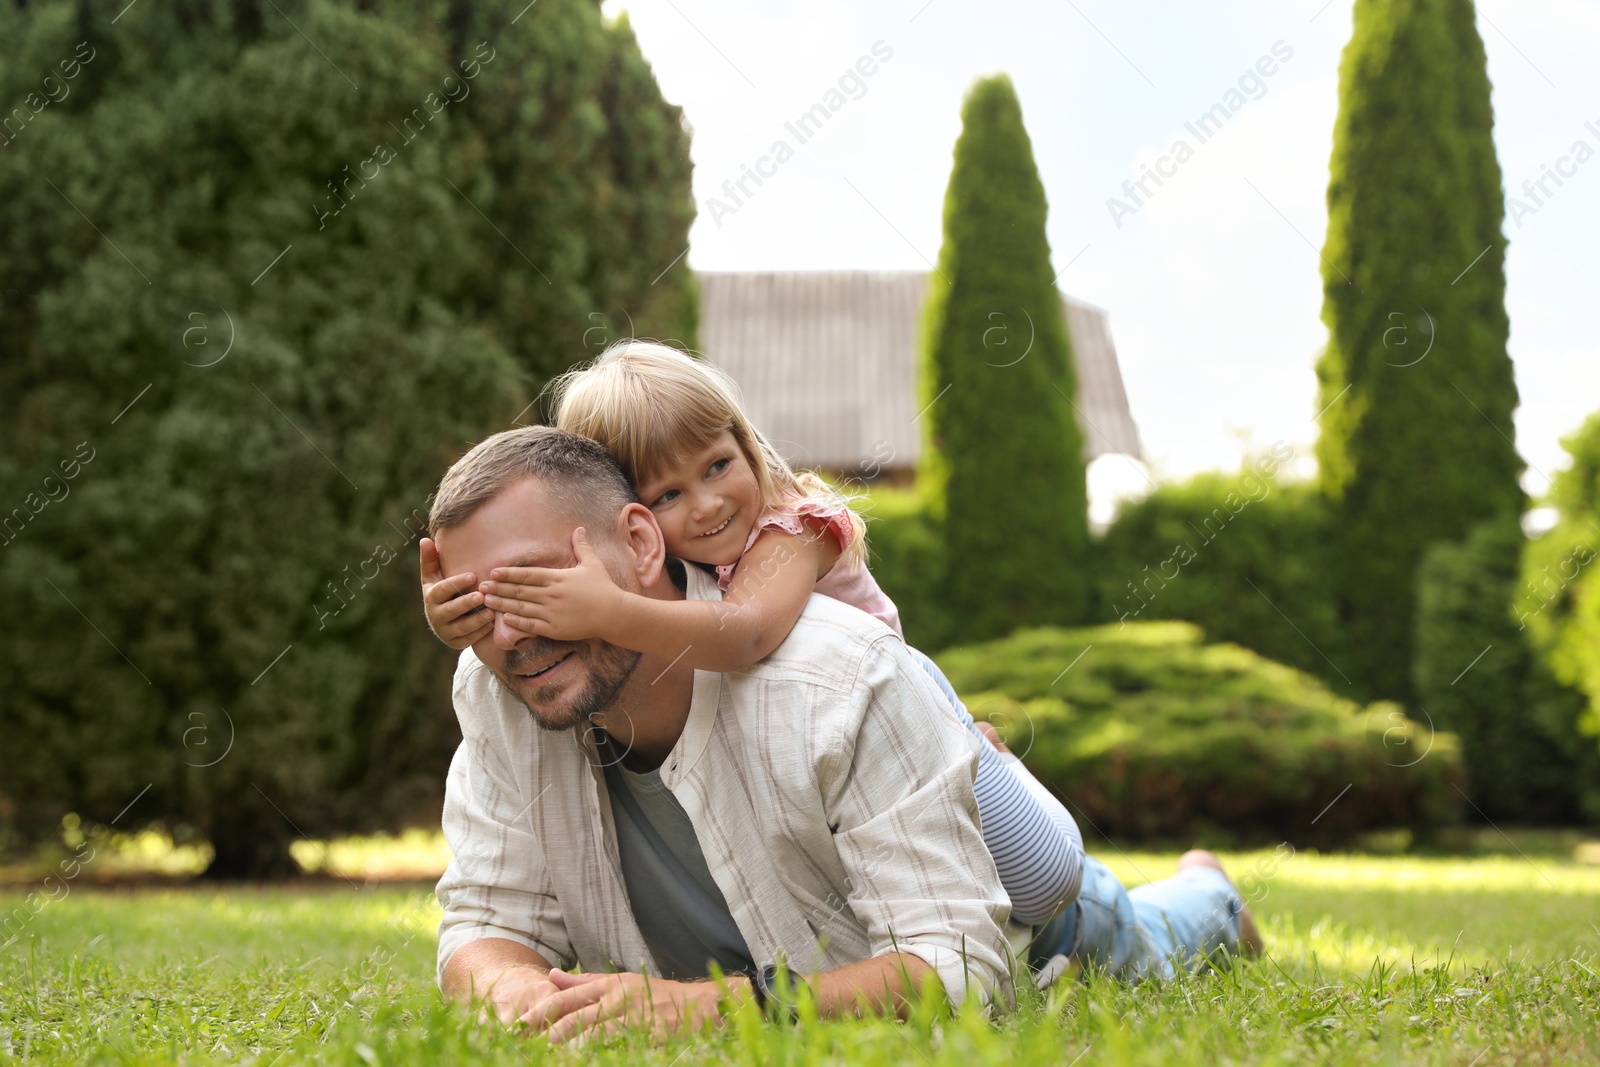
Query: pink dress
[[848, 580]]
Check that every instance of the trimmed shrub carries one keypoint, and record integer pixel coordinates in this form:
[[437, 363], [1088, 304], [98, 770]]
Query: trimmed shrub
[[1147, 732], [1416, 448], [906, 554], [1478, 678], [1243, 556], [1004, 458]]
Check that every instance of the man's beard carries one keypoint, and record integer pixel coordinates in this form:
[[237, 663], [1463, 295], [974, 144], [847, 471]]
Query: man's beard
[[610, 668]]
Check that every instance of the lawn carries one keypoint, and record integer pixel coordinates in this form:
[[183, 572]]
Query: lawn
[[1468, 960]]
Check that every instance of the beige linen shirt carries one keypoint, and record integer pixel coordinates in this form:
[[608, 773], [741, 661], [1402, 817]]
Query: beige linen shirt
[[830, 788]]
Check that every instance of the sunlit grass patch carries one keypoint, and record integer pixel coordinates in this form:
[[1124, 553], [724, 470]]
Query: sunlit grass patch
[[1466, 962], [1346, 911]]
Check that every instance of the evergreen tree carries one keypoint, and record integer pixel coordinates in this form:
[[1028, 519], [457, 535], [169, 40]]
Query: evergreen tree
[[1004, 459], [579, 160], [258, 294], [1558, 599], [1416, 387], [1478, 677]]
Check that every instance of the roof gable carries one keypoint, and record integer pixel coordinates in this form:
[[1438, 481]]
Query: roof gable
[[827, 362]]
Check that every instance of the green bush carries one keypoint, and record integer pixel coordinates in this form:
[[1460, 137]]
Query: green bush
[[906, 554], [1559, 598], [1004, 456], [1478, 677], [1147, 732], [1243, 556]]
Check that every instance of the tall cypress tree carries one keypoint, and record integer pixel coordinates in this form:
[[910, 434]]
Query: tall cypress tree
[[1416, 387], [1004, 459]]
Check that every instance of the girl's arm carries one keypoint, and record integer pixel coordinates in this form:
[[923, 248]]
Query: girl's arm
[[765, 598]]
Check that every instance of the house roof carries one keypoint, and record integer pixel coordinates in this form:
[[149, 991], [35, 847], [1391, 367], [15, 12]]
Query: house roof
[[827, 361]]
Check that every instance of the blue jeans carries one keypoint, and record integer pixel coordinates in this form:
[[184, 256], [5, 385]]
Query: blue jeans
[[1187, 920]]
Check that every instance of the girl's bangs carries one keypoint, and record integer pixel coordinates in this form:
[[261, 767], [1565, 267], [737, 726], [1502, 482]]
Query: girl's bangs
[[662, 434]]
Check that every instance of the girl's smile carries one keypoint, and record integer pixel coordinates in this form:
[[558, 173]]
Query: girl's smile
[[723, 525]]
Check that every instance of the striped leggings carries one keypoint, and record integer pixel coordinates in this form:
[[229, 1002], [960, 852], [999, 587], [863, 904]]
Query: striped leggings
[[1035, 844]]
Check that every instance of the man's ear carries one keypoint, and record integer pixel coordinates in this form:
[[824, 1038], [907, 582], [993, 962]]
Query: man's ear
[[646, 547]]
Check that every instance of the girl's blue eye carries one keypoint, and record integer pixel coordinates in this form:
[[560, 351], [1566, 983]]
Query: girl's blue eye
[[718, 467], [665, 498]]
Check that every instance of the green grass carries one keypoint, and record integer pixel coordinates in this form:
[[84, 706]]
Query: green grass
[[1465, 961]]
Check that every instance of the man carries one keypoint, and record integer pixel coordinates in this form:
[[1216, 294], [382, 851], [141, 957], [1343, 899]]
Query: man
[[814, 811], [635, 816]]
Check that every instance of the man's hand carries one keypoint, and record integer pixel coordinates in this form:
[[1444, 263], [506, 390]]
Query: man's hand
[[561, 603], [454, 606], [587, 1004], [517, 991]]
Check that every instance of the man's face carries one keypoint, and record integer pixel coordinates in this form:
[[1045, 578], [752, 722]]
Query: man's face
[[563, 683]]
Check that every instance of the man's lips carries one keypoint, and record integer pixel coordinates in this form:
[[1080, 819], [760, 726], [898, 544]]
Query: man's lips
[[546, 669]]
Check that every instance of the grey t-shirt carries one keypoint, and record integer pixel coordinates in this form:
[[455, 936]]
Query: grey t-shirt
[[680, 911]]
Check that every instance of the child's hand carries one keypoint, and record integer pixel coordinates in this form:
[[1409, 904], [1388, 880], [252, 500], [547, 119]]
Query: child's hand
[[561, 603], [454, 606]]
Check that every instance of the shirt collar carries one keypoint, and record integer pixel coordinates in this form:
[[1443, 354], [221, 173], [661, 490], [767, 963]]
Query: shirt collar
[[706, 696]]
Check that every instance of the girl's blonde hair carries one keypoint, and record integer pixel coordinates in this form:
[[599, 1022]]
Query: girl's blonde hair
[[647, 403]]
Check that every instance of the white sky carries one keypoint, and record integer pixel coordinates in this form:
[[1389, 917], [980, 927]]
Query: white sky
[[1215, 298]]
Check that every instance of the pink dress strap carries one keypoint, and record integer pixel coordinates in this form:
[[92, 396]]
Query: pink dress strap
[[848, 581]]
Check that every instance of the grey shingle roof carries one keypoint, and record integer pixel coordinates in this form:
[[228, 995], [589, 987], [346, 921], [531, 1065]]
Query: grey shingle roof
[[827, 363]]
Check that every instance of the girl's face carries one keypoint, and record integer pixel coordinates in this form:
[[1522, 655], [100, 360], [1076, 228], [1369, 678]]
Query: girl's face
[[706, 502]]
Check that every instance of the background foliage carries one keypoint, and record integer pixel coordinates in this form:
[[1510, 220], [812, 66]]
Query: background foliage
[[1517, 724], [229, 569], [1416, 386], [1243, 555], [905, 542], [1558, 599], [1003, 468], [1262, 581], [1147, 731]]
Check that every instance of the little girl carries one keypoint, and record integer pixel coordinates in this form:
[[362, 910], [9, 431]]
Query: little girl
[[724, 498]]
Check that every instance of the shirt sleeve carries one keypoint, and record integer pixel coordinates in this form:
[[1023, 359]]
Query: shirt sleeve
[[497, 883], [833, 519], [897, 788]]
